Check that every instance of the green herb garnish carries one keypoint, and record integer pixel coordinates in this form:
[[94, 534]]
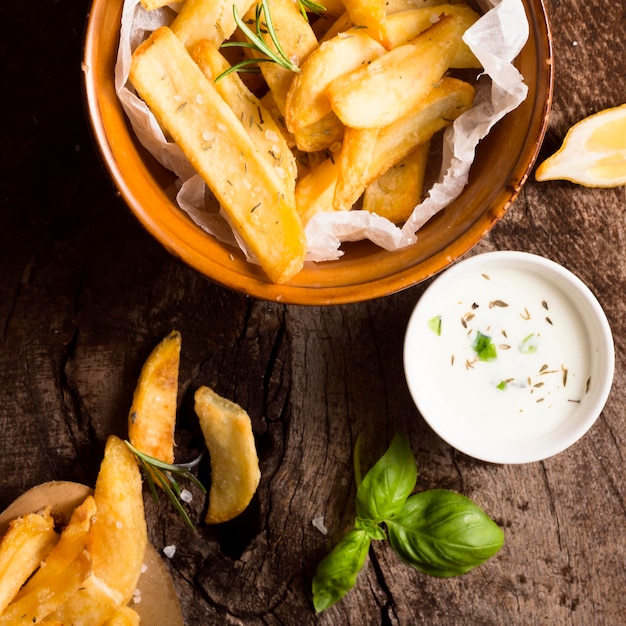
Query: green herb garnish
[[438, 531], [434, 323], [310, 6], [262, 21], [166, 474], [485, 349], [528, 345]]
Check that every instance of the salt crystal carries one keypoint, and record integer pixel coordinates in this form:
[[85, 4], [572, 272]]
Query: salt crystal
[[169, 551], [318, 522]]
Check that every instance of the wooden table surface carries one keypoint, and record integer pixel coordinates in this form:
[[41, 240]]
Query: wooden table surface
[[86, 294]]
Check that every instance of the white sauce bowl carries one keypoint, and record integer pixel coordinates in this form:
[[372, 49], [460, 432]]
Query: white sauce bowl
[[509, 357]]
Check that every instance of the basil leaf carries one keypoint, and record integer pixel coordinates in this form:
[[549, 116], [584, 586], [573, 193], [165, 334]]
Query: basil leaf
[[443, 533], [373, 530], [337, 572], [389, 483]]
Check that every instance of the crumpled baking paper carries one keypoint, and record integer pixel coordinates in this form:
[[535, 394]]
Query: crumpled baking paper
[[496, 39]]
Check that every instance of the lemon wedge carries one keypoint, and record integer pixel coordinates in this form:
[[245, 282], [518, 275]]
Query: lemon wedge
[[593, 153]]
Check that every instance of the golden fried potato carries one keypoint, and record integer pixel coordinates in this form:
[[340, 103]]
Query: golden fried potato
[[124, 616], [258, 121], [321, 135], [63, 572], [389, 87], [316, 190], [28, 541], [49, 592], [297, 40], [370, 14], [396, 192], [116, 541], [307, 102], [235, 471], [207, 19], [368, 153], [253, 193], [407, 25], [152, 415]]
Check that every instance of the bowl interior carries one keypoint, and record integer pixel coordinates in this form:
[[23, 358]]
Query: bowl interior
[[554, 395], [365, 271]]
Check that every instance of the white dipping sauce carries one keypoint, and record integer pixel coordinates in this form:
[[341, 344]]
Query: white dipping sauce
[[541, 369]]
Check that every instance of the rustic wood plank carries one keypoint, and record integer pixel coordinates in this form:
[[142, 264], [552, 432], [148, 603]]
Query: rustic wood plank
[[85, 294]]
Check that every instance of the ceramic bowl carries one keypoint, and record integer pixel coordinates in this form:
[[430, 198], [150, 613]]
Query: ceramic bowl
[[503, 162], [509, 357]]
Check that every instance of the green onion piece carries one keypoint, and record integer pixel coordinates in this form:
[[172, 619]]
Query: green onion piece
[[485, 349], [434, 323]]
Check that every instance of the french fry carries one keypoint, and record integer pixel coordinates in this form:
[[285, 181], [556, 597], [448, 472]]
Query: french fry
[[28, 541], [92, 605], [396, 192], [47, 595], [320, 135], [370, 14], [342, 23], [187, 105], [407, 25], [396, 6], [368, 153], [116, 541], [118, 537], [235, 471], [257, 120], [152, 415], [63, 572], [296, 38], [316, 190], [306, 101], [208, 19], [151, 5], [388, 88]]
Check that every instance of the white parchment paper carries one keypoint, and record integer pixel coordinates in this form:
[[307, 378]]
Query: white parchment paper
[[496, 39]]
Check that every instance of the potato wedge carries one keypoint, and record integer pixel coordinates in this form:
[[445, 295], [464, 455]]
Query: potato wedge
[[259, 206], [64, 569], [388, 88], [28, 541], [407, 25], [259, 122], [396, 192], [151, 5], [368, 153], [208, 19], [49, 592], [235, 470], [152, 415], [370, 14], [321, 135], [316, 190], [118, 537], [116, 541], [307, 102], [296, 38]]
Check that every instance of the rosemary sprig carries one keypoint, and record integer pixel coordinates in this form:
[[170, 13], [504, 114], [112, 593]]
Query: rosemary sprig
[[310, 6], [166, 474], [263, 19]]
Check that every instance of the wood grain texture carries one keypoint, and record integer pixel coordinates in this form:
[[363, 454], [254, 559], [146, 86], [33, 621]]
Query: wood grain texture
[[85, 294]]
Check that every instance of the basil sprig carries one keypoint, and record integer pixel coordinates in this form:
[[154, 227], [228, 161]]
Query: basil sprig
[[438, 532]]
